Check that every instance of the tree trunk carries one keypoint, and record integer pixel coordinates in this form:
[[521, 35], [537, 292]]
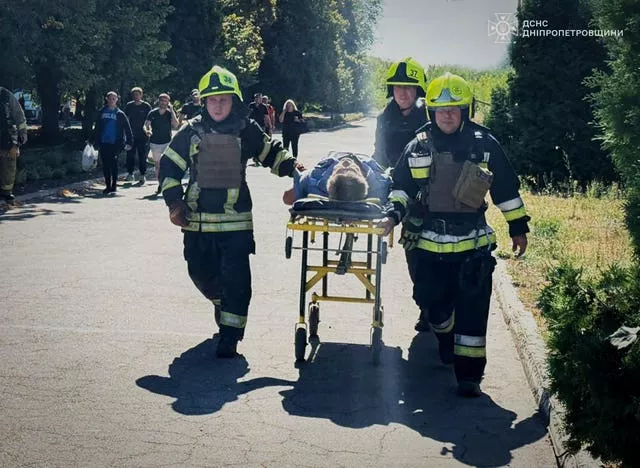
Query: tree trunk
[[47, 84], [89, 116]]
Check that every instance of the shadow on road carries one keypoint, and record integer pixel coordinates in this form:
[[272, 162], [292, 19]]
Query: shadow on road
[[203, 384], [342, 385]]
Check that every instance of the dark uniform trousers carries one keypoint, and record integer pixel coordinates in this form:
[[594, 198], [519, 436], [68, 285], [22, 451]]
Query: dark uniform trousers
[[218, 265], [456, 294], [140, 148]]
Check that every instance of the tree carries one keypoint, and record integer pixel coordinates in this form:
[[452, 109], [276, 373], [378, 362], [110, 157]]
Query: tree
[[552, 118]]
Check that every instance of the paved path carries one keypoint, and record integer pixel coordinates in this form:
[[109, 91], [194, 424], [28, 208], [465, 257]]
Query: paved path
[[107, 355]]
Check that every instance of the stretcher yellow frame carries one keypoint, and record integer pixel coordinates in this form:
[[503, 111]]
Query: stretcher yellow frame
[[364, 271]]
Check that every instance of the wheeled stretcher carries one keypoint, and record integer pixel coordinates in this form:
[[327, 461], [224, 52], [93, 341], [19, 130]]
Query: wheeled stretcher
[[312, 216]]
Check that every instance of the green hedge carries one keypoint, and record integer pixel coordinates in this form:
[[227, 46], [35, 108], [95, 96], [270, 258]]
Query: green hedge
[[592, 373]]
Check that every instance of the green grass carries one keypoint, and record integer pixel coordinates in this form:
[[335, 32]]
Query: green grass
[[587, 229]]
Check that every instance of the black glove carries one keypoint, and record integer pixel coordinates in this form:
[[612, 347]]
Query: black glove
[[411, 230]]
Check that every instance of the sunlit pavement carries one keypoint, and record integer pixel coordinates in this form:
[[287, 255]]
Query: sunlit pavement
[[107, 352]]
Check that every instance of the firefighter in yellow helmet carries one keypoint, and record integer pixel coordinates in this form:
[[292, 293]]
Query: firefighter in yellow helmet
[[215, 210], [404, 113], [439, 190]]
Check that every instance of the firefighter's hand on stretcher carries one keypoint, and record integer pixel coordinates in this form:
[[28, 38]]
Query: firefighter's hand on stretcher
[[178, 213], [387, 224], [519, 244], [289, 196]]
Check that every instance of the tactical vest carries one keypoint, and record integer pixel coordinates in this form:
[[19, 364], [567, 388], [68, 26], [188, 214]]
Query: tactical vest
[[438, 172], [218, 162]]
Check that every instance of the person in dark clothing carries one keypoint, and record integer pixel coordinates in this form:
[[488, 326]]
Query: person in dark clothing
[[159, 124], [397, 125], [289, 118], [439, 187], [259, 112], [111, 134], [137, 111], [215, 212], [191, 108], [404, 114]]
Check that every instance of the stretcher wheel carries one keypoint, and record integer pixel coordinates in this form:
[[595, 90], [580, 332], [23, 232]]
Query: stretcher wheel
[[376, 345], [301, 343], [314, 319], [288, 244], [383, 253]]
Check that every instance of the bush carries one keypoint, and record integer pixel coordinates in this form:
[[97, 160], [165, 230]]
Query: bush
[[598, 383], [58, 173]]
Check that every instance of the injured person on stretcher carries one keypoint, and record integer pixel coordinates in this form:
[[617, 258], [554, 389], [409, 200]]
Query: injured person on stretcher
[[341, 176], [343, 188]]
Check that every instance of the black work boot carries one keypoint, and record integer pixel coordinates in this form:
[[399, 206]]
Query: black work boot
[[227, 347], [469, 389]]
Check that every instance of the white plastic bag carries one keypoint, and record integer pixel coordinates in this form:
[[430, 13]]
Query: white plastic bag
[[89, 158]]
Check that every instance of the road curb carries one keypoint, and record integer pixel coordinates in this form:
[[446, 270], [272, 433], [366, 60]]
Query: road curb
[[533, 356]]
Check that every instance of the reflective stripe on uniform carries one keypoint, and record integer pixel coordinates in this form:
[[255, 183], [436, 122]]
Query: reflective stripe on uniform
[[265, 149], [175, 158], [444, 243], [515, 214], [421, 161], [22, 126], [470, 346], [446, 326], [469, 351], [219, 217], [219, 227], [399, 196], [232, 199], [233, 320], [282, 155], [468, 340], [168, 183], [510, 204], [420, 173], [512, 209], [215, 302]]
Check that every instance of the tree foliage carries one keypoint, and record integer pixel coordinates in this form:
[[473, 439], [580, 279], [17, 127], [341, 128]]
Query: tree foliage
[[314, 51], [551, 115]]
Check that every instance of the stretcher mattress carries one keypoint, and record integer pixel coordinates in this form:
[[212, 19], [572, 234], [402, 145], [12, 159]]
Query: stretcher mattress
[[334, 210]]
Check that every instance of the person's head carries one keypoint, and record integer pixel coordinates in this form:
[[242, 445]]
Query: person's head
[[136, 93], [195, 96], [347, 182], [257, 98], [221, 92], [289, 106], [265, 100], [405, 82], [111, 99], [449, 102], [163, 100]]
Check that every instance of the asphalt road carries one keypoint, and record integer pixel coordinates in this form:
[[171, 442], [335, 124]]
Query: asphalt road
[[108, 356]]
